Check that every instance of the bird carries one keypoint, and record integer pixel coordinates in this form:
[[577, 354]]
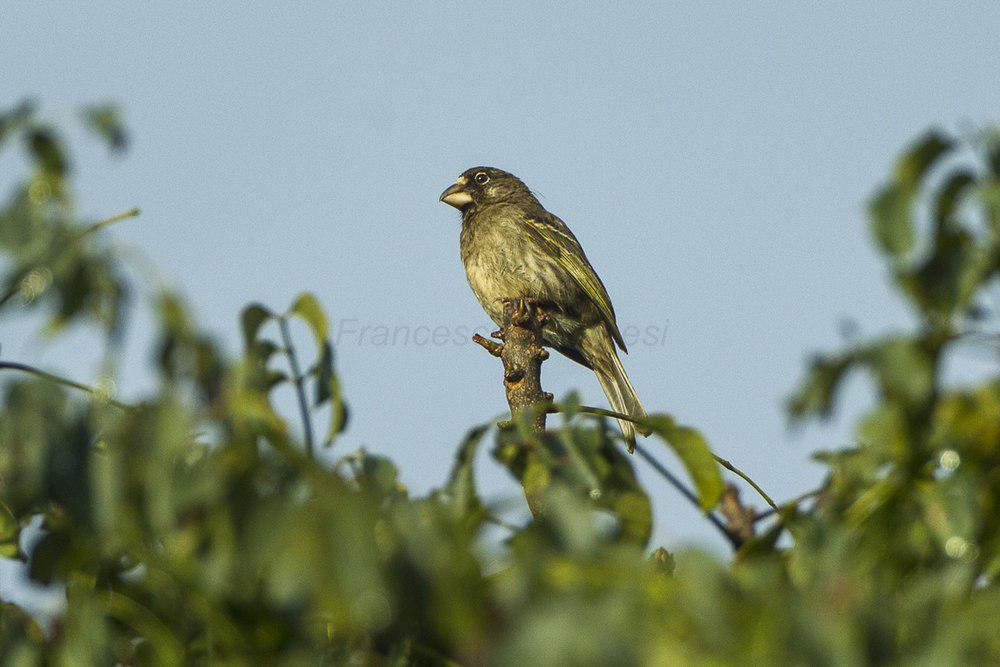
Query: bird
[[514, 249]]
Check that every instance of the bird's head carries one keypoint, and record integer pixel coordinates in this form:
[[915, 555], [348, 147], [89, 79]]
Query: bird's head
[[481, 186]]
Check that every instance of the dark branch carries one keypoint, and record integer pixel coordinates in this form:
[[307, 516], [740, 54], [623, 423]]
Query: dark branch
[[37, 372]]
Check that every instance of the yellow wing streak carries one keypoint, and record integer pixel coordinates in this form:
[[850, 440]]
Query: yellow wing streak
[[556, 238]]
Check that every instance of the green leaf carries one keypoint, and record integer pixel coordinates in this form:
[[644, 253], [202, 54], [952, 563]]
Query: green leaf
[[693, 451], [918, 160], [891, 220], [816, 393], [989, 195], [10, 531], [9, 525], [603, 473], [570, 406], [11, 121], [993, 153], [459, 493], [339, 417], [253, 318], [884, 432], [379, 475], [325, 375], [950, 195], [47, 152], [635, 512], [307, 307], [904, 370], [328, 389], [946, 282], [891, 210], [105, 121], [275, 378]]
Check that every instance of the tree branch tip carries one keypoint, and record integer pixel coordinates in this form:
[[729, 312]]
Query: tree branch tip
[[117, 217], [496, 349]]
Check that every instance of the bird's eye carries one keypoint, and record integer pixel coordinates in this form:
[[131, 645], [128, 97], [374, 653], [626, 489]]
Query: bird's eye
[[482, 178]]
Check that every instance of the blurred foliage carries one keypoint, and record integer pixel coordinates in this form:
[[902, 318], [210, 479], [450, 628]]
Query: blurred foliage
[[202, 524]]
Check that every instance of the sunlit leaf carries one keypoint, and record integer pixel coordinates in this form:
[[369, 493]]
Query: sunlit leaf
[[920, 158], [307, 307], [693, 451], [892, 222]]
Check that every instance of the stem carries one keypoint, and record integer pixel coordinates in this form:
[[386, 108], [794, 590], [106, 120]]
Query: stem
[[110, 220], [297, 379], [730, 467], [31, 370], [555, 407]]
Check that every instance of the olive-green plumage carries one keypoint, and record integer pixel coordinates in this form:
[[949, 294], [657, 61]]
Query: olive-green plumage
[[513, 248]]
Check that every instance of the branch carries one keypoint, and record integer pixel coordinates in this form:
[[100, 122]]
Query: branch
[[522, 355], [297, 380], [110, 220], [96, 393]]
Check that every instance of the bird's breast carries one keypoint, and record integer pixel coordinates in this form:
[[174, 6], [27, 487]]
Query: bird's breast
[[498, 264]]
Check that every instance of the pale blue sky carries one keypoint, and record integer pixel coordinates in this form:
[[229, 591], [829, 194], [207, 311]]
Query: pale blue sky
[[713, 160]]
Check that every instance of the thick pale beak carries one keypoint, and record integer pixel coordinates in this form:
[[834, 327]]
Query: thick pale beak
[[456, 196]]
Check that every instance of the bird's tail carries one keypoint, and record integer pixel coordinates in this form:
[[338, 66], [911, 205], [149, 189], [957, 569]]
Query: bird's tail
[[617, 387]]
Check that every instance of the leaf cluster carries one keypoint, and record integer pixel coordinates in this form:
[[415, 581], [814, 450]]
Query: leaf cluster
[[203, 523]]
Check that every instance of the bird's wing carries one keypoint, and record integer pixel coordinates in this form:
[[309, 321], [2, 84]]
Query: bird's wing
[[556, 238]]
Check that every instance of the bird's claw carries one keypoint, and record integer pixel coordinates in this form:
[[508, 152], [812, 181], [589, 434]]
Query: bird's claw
[[525, 312]]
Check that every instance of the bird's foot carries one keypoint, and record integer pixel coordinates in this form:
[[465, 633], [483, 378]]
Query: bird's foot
[[523, 312], [541, 316]]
